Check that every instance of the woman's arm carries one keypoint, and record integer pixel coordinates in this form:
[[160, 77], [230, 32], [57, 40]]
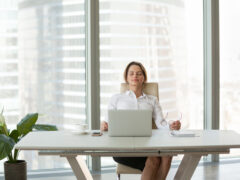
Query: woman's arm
[[111, 105], [158, 115]]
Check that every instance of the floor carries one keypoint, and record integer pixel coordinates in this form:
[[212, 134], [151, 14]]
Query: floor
[[214, 171]]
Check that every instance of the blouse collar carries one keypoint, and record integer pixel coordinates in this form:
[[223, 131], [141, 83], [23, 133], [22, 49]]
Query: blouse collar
[[131, 93]]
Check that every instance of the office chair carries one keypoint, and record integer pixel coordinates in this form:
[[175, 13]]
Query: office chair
[[148, 88]]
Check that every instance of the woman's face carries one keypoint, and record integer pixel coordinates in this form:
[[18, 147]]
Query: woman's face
[[135, 76]]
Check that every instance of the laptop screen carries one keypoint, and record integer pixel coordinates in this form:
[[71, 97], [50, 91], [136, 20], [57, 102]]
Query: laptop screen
[[130, 123]]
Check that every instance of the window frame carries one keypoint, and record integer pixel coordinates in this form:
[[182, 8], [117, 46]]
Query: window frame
[[211, 68]]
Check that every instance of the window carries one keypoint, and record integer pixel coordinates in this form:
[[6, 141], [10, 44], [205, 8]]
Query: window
[[8, 61], [167, 38], [43, 66], [229, 68]]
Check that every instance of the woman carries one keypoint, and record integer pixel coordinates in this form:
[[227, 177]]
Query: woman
[[135, 76]]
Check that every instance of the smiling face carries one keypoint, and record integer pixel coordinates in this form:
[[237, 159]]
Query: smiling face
[[135, 76]]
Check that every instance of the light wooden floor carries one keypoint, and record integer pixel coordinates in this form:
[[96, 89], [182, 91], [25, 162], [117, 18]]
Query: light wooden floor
[[217, 171]]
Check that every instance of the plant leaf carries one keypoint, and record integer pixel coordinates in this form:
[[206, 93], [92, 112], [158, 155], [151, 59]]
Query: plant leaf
[[3, 126], [45, 127], [6, 145], [27, 123], [14, 135]]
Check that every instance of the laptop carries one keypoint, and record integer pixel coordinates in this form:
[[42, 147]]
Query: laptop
[[132, 123]]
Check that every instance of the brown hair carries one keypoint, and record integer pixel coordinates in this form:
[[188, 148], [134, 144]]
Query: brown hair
[[137, 64]]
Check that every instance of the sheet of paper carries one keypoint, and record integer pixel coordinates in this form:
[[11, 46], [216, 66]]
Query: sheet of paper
[[182, 133]]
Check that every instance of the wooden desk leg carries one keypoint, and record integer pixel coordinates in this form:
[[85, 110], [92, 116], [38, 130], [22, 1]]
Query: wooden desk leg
[[187, 166], [79, 168]]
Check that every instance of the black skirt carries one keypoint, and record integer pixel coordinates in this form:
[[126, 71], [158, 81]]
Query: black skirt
[[134, 162]]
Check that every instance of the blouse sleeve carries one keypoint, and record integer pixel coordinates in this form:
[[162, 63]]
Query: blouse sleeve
[[111, 105], [158, 115]]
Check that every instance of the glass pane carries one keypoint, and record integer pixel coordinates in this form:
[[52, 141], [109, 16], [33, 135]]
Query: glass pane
[[166, 36], [8, 62], [42, 66], [229, 68]]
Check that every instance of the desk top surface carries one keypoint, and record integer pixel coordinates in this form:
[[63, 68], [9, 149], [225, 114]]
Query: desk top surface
[[160, 140]]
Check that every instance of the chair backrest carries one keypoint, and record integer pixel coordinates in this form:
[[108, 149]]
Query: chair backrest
[[148, 88]]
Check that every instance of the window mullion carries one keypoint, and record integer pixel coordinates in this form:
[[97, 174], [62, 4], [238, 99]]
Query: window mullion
[[92, 67], [211, 65]]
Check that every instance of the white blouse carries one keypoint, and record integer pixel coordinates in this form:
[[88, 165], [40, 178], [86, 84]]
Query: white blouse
[[128, 100]]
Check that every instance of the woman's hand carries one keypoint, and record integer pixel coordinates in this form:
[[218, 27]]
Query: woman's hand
[[175, 125], [104, 126]]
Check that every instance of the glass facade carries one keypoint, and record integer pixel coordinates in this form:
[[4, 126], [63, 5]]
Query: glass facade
[[229, 68], [43, 63], [9, 59], [167, 37], [43, 66]]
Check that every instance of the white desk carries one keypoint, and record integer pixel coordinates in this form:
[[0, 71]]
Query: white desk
[[66, 144]]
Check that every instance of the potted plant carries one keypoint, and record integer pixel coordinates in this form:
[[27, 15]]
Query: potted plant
[[14, 168]]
